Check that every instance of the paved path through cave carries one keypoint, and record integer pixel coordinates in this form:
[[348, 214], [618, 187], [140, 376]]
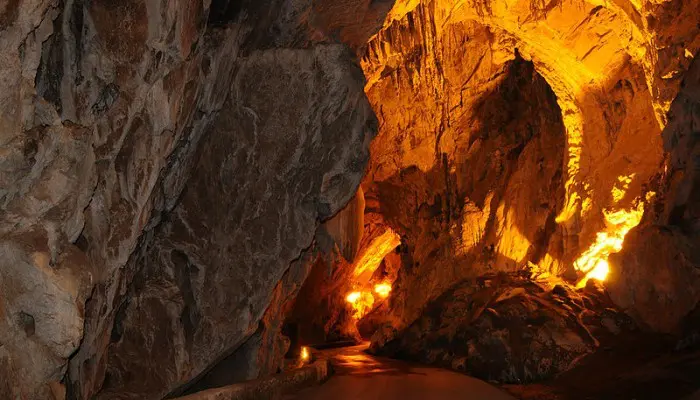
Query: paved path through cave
[[361, 376]]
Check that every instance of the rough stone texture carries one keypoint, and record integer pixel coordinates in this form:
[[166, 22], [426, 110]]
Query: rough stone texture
[[263, 352], [162, 163], [89, 121], [42, 312], [507, 329], [488, 204], [263, 204], [657, 275], [475, 179], [117, 118], [659, 297]]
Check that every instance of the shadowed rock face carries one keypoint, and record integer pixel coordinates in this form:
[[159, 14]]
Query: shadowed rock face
[[205, 279], [161, 166]]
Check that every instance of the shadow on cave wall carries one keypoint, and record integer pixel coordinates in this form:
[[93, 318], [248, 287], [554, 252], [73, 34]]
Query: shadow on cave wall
[[319, 314], [514, 161]]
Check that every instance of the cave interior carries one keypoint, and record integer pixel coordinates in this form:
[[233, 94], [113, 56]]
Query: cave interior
[[197, 195]]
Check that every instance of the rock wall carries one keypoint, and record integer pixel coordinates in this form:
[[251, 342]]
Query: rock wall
[[201, 268], [464, 206], [470, 172], [162, 165], [657, 275]]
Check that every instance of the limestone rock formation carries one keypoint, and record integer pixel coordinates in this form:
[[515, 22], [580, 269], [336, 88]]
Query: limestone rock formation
[[657, 275], [487, 204], [198, 270], [476, 179], [170, 172], [162, 163], [507, 328]]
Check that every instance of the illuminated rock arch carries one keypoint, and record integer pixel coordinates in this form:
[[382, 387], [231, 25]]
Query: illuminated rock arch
[[598, 59]]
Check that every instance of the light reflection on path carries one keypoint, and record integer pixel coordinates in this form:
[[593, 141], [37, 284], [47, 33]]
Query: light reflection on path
[[362, 376]]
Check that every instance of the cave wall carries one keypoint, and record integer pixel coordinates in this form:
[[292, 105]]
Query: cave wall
[[657, 275], [130, 132], [442, 177], [612, 70], [201, 268], [490, 208], [131, 127]]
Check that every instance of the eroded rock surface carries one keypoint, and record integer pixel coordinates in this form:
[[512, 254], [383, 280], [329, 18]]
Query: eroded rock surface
[[508, 329], [206, 278], [164, 167], [657, 275], [134, 130], [474, 179], [489, 203]]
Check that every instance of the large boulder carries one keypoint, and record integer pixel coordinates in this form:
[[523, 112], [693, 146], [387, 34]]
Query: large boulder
[[293, 137], [506, 328]]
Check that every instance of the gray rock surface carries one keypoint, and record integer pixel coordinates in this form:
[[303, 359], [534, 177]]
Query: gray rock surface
[[266, 173], [127, 129]]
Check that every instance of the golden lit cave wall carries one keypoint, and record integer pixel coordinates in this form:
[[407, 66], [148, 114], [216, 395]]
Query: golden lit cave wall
[[600, 60], [510, 179]]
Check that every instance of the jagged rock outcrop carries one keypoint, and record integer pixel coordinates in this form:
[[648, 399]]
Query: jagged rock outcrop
[[131, 127], [613, 70], [465, 184], [507, 328], [657, 275]]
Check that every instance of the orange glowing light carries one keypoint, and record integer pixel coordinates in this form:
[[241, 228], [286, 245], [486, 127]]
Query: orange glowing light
[[361, 303], [304, 356], [374, 253], [593, 262], [353, 297], [383, 289]]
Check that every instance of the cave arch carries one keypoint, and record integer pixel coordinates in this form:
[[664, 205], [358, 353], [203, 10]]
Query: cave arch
[[604, 89]]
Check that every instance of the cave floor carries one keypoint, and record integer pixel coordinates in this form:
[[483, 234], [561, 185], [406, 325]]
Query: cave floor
[[359, 375]]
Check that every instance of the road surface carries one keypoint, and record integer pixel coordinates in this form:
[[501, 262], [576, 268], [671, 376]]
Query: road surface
[[361, 376]]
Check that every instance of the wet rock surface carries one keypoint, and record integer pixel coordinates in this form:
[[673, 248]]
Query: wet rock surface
[[358, 374]]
